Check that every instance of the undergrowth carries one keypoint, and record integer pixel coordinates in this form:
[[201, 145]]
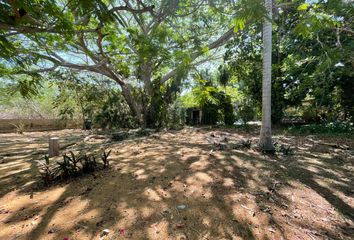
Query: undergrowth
[[71, 166], [333, 128]]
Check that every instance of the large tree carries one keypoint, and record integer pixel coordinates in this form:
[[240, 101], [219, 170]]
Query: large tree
[[146, 47]]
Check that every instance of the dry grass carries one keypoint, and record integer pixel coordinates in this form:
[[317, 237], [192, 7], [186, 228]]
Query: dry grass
[[228, 194]]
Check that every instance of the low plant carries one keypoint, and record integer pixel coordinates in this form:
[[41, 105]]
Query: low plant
[[71, 166], [47, 172], [323, 128], [104, 158], [20, 127], [73, 163], [284, 149], [64, 168], [246, 143], [88, 163]]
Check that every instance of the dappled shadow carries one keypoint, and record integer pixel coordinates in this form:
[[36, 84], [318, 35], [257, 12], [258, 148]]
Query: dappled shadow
[[18, 155], [173, 187]]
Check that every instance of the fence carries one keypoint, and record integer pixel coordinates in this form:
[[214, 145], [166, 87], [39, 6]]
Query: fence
[[30, 125]]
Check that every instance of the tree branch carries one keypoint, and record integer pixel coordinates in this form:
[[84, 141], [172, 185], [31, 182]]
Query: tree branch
[[132, 10], [217, 43], [27, 29]]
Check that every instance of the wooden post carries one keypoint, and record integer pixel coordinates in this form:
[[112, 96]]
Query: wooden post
[[53, 147]]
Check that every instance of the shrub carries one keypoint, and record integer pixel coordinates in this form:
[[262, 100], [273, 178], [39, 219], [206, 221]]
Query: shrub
[[88, 163], [71, 166], [323, 128], [72, 163], [284, 149], [246, 112]]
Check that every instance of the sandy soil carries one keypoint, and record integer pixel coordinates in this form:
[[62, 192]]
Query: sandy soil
[[177, 185]]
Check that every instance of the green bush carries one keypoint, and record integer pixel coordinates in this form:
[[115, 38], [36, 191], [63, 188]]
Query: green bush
[[246, 112], [71, 166], [115, 113], [175, 115], [324, 128]]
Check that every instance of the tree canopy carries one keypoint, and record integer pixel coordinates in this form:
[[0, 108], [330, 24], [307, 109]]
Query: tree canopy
[[147, 47]]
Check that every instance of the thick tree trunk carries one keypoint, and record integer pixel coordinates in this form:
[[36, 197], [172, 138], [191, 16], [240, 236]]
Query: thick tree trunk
[[265, 140], [136, 110]]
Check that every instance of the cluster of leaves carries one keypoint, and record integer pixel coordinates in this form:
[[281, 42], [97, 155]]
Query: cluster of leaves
[[71, 166], [321, 71], [38, 105], [96, 100], [215, 104], [324, 128], [246, 111], [175, 115], [146, 47]]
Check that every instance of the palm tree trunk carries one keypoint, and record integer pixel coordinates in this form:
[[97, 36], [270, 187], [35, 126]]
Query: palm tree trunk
[[265, 140]]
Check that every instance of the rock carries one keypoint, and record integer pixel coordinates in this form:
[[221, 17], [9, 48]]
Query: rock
[[181, 207]]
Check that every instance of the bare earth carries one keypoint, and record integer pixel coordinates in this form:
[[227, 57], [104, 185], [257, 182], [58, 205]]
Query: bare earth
[[173, 186]]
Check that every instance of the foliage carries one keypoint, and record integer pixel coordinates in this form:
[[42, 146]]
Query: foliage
[[14, 105], [96, 100], [227, 109], [175, 115], [71, 166], [322, 70], [88, 163], [47, 171], [215, 104], [224, 75], [71, 163], [65, 168], [284, 149], [246, 112], [114, 112], [146, 47], [324, 128]]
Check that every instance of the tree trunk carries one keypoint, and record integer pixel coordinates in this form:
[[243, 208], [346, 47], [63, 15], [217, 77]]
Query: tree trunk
[[265, 140], [136, 110]]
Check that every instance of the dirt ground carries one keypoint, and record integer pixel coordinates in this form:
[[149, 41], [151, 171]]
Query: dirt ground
[[177, 185]]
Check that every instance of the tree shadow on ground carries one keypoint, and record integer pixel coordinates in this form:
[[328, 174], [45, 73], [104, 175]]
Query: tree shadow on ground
[[171, 187]]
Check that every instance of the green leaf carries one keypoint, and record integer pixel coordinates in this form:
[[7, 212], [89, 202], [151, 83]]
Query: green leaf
[[303, 7], [205, 49], [239, 24]]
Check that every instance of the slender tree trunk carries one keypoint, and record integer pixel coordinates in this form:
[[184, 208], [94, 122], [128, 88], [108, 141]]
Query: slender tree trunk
[[265, 140]]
